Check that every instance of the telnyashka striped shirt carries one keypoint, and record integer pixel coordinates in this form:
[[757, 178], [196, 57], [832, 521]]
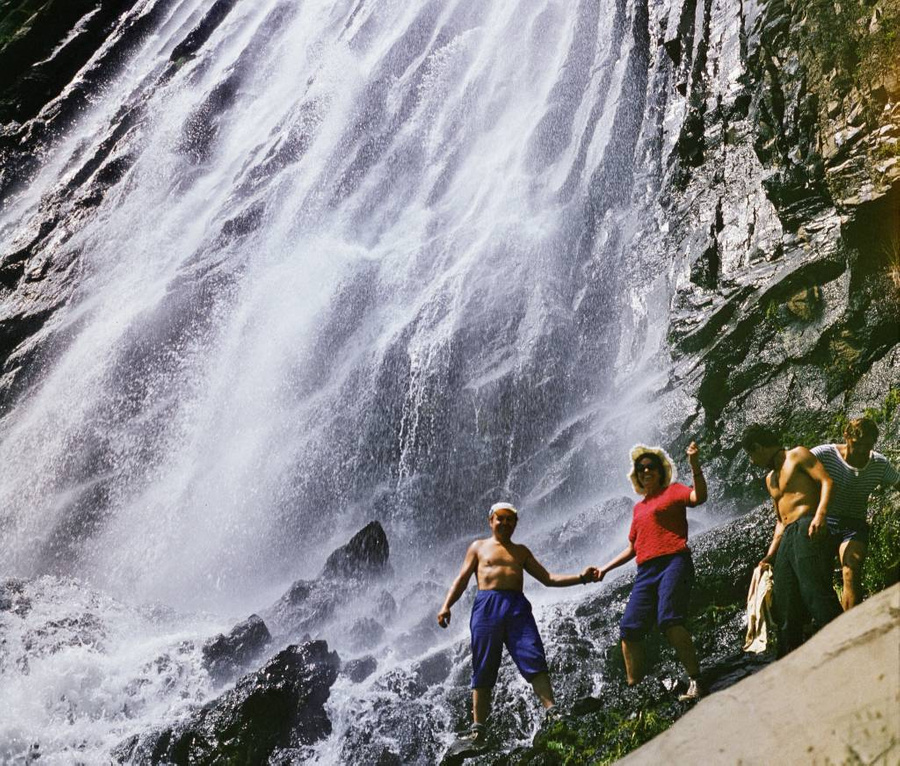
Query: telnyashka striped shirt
[[852, 486]]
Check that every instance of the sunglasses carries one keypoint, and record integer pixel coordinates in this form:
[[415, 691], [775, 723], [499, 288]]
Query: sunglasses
[[644, 467]]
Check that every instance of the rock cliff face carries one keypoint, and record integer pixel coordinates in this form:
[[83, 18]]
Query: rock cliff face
[[783, 217]]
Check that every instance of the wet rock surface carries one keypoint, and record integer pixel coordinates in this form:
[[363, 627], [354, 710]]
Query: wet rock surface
[[277, 708], [226, 655], [351, 575]]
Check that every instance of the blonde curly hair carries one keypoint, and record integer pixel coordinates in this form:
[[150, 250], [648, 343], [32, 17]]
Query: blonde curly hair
[[669, 472]]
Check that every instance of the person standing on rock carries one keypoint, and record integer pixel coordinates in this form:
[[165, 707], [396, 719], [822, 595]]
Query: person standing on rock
[[502, 615], [856, 470], [665, 570], [801, 489]]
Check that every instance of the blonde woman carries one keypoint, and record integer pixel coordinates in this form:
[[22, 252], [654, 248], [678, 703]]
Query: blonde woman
[[665, 571]]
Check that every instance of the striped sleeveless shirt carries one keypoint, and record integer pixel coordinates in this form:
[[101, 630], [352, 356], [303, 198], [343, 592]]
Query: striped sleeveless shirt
[[852, 486]]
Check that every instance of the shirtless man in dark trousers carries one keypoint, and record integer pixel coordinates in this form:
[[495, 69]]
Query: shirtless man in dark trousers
[[800, 488], [501, 613]]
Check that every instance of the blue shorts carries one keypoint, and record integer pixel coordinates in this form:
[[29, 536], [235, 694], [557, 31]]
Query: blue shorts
[[661, 593], [845, 528], [504, 617]]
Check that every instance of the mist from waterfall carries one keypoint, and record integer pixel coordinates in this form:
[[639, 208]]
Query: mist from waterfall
[[352, 260]]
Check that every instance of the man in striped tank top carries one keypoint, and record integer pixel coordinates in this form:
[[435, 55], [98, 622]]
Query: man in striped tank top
[[855, 470]]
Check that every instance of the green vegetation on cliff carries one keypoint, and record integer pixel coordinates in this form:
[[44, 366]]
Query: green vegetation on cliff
[[851, 44]]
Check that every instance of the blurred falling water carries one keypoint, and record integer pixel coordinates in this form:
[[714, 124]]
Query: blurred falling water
[[323, 262], [355, 260]]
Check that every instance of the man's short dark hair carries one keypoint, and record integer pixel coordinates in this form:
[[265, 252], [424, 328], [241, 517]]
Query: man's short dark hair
[[862, 427], [757, 435]]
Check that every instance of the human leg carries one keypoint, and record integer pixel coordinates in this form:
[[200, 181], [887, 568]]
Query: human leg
[[543, 687], [523, 641], [640, 613], [683, 644], [853, 554], [813, 576], [675, 584], [633, 652], [787, 605], [486, 626], [481, 704]]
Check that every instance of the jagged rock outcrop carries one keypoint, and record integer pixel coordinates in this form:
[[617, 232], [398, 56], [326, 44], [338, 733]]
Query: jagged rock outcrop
[[278, 708], [350, 574], [225, 656], [365, 556], [836, 699], [783, 220]]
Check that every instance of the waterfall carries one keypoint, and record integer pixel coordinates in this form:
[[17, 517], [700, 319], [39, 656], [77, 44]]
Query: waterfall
[[327, 262]]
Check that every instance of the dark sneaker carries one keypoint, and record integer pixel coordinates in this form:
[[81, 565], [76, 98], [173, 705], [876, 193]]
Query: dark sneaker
[[477, 734], [693, 693]]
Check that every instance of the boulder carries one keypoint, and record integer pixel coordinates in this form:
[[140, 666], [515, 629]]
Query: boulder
[[795, 711], [342, 590], [360, 669], [280, 706], [225, 656], [365, 556]]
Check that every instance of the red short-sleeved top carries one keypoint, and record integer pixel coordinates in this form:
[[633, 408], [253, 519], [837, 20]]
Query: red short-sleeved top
[[659, 524]]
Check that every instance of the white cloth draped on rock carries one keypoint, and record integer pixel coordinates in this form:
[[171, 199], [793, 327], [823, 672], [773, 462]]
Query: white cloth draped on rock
[[759, 610]]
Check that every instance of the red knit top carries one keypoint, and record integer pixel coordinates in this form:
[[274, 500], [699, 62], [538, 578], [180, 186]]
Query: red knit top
[[659, 524]]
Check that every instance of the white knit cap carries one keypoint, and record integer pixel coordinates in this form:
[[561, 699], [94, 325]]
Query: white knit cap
[[502, 506]]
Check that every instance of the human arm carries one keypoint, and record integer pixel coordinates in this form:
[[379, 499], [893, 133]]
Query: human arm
[[810, 463], [537, 571], [769, 559], [470, 565], [698, 492], [624, 557]]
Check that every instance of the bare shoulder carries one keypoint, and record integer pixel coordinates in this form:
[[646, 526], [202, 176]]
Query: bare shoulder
[[475, 547], [799, 455]]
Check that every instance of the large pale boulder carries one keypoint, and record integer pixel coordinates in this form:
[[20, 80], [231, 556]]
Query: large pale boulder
[[836, 699]]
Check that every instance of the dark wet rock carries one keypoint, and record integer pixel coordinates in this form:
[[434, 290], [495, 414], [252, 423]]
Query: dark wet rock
[[365, 556], [434, 669], [225, 656], [360, 669], [201, 33], [343, 590], [385, 606], [13, 597], [280, 706]]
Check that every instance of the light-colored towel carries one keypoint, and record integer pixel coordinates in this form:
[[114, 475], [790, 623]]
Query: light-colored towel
[[759, 610]]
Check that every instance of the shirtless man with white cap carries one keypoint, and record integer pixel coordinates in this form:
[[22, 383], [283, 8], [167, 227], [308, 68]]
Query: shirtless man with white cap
[[502, 615]]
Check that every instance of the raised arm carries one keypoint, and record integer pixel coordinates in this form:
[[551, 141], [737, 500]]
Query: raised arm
[[698, 493], [537, 571], [810, 463], [769, 559], [623, 558], [470, 565]]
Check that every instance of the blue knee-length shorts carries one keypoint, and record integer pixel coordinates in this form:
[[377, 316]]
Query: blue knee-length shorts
[[504, 617], [661, 593]]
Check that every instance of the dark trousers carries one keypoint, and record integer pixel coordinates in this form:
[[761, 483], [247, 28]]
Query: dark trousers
[[802, 585]]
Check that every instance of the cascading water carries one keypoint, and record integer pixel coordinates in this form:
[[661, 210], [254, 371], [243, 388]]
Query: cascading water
[[327, 262]]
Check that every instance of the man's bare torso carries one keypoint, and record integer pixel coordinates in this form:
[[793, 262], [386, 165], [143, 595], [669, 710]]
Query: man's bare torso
[[795, 492], [501, 567]]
